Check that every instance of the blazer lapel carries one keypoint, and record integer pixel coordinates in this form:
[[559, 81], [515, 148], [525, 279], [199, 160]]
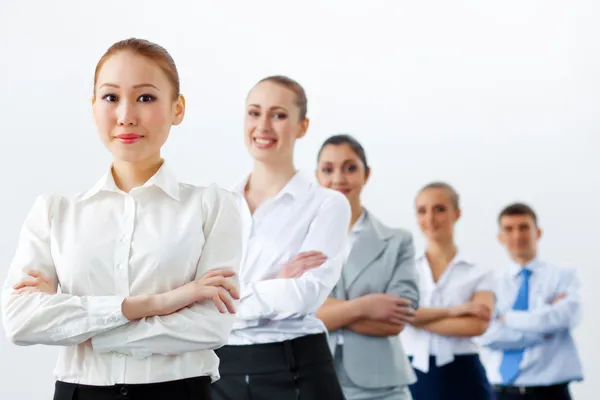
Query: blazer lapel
[[368, 246]]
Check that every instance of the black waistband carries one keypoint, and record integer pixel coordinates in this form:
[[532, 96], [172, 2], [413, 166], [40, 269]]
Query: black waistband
[[558, 388], [141, 390], [274, 357]]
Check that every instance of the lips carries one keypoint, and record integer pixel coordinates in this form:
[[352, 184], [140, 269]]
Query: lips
[[129, 138], [264, 142]]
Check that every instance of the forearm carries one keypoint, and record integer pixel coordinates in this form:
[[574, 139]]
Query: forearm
[[337, 313], [194, 328], [424, 316], [371, 327], [457, 326], [546, 320], [60, 319]]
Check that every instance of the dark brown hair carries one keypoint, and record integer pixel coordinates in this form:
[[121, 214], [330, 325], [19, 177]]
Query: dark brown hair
[[517, 209], [338, 140], [289, 83], [151, 51]]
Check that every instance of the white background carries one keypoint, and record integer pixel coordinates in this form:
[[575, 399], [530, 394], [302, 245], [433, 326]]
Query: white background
[[499, 98]]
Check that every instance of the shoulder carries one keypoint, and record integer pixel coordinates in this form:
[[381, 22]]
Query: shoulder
[[561, 272], [330, 199], [394, 234]]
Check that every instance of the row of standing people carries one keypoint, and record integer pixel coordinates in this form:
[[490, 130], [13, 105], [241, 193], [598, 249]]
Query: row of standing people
[[197, 292]]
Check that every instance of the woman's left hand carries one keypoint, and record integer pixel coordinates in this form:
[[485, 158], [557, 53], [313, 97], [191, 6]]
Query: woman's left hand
[[37, 282]]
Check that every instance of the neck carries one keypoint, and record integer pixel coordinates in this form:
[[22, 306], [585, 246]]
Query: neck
[[267, 179], [524, 260], [129, 175], [442, 251], [357, 210]]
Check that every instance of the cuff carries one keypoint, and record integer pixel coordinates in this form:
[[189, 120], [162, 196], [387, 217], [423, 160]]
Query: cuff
[[105, 312]]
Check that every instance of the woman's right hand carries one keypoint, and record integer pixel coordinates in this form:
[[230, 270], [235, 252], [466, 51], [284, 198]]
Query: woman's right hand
[[386, 308], [213, 286]]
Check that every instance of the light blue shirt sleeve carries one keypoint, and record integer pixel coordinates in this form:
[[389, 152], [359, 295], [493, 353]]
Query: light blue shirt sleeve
[[501, 337], [550, 318]]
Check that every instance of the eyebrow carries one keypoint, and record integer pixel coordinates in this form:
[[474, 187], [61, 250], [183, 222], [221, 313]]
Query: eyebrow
[[138, 86], [272, 108]]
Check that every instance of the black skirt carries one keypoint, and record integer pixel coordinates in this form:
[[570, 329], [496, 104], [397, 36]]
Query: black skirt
[[298, 369], [184, 389]]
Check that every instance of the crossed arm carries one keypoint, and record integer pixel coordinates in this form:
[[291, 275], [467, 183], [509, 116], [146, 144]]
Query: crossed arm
[[379, 314], [167, 323]]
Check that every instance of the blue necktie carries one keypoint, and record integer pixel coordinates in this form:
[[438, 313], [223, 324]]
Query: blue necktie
[[511, 360]]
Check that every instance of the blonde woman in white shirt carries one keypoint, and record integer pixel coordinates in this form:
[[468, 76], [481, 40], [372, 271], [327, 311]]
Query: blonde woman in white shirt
[[143, 262], [295, 234], [456, 305]]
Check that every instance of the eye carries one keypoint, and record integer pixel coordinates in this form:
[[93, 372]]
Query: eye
[[280, 116], [110, 98], [253, 113], [146, 98], [352, 168], [440, 208], [327, 170]]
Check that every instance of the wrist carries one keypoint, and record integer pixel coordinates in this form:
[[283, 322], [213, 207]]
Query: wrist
[[138, 307], [359, 307]]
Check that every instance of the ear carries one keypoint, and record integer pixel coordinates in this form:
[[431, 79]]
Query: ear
[[458, 214], [367, 174], [303, 128], [179, 110], [538, 233]]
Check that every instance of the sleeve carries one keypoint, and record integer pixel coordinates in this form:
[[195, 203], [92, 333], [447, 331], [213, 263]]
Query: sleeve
[[52, 319], [200, 326], [405, 279], [549, 318], [279, 299], [500, 337], [486, 282]]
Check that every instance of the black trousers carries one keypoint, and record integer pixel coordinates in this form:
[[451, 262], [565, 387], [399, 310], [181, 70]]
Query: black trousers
[[299, 369], [554, 392], [192, 388], [462, 379]]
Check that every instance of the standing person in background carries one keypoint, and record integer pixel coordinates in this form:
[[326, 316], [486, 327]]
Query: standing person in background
[[377, 292], [142, 260], [529, 350], [456, 304], [295, 233]]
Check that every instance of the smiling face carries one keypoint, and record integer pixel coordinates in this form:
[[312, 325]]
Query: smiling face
[[134, 107], [272, 123], [436, 214], [341, 169]]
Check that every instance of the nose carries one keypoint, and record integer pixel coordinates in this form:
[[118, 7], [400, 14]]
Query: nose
[[264, 124], [338, 177], [126, 114]]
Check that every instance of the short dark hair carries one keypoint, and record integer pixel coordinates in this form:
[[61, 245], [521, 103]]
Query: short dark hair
[[338, 140], [517, 209], [452, 193], [294, 86]]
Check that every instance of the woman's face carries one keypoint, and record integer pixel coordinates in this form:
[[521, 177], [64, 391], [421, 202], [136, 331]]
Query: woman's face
[[272, 123], [134, 107], [436, 214], [341, 169]]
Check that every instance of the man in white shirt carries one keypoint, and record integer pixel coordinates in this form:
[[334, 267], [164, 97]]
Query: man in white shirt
[[529, 352]]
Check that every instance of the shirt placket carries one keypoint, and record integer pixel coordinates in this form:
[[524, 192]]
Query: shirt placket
[[121, 275]]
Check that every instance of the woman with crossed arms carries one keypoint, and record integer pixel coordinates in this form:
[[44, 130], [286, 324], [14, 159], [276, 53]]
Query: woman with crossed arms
[[295, 231], [456, 304], [378, 290], [143, 261]]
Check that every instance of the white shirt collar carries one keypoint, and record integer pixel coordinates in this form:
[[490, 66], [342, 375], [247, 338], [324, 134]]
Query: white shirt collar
[[296, 186], [515, 268], [162, 179]]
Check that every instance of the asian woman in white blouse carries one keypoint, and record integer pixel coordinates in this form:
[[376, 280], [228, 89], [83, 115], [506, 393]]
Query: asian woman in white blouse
[[456, 305], [294, 241], [133, 277]]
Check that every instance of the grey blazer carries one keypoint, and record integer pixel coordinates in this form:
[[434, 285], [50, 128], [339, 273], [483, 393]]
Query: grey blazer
[[381, 261]]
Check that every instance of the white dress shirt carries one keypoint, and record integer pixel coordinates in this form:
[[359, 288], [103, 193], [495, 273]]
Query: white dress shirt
[[104, 245], [457, 285], [303, 216], [353, 235], [543, 331]]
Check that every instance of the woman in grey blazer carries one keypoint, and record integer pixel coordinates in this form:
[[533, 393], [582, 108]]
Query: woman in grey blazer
[[377, 292]]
